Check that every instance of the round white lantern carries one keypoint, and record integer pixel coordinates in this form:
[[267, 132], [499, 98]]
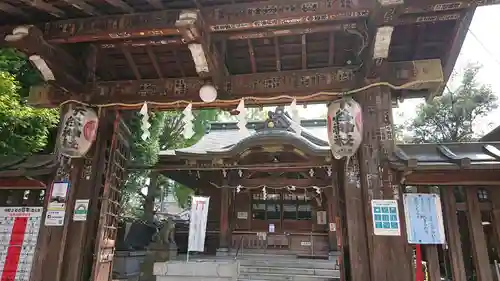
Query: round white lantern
[[208, 93], [345, 127], [78, 131]]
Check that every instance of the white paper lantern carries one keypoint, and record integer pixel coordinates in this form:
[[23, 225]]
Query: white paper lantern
[[345, 127], [78, 131], [208, 93]]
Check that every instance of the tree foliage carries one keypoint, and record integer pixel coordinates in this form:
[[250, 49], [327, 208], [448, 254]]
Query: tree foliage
[[144, 187], [453, 116], [23, 129]]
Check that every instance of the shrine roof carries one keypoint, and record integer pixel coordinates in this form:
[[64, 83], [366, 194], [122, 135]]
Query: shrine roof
[[223, 139], [493, 135], [447, 156], [34, 165]]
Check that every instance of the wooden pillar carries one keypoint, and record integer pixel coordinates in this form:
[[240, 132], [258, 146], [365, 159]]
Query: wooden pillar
[[332, 197], [377, 182], [48, 262], [495, 212], [81, 234], [478, 239], [224, 222], [65, 252], [453, 233], [358, 254]]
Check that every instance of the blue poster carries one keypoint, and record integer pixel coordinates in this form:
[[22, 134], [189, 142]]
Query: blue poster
[[385, 217], [424, 218]]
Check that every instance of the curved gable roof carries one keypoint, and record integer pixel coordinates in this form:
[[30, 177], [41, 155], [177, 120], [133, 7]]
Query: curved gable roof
[[224, 138]]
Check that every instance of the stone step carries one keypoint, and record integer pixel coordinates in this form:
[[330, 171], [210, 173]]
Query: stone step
[[255, 270], [282, 277]]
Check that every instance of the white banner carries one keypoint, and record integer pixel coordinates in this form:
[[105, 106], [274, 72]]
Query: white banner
[[198, 223]]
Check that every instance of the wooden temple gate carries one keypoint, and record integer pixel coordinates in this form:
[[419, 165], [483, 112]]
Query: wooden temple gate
[[117, 54]]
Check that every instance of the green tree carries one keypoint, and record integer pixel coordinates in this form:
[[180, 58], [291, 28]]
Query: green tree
[[144, 187], [452, 116], [23, 129]]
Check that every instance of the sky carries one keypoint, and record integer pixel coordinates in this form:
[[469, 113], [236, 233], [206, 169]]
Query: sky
[[483, 48]]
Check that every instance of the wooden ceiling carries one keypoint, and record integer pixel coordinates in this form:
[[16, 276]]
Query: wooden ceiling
[[132, 50]]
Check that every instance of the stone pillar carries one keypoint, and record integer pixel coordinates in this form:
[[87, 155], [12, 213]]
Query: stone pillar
[[387, 262], [224, 223]]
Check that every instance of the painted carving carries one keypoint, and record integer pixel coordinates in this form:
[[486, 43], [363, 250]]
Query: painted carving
[[143, 24]]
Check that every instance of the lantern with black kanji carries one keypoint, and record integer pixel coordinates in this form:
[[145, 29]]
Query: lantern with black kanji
[[78, 132], [345, 127]]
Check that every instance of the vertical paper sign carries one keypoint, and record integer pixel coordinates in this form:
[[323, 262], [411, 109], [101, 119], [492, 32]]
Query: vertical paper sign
[[56, 209], [424, 218], [385, 217], [198, 224], [81, 209]]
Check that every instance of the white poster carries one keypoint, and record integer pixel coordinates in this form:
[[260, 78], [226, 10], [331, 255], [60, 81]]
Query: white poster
[[198, 223], [81, 209], [56, 209], [18, 240]]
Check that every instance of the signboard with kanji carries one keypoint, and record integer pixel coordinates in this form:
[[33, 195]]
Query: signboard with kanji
[[19, 228], [424, 218]]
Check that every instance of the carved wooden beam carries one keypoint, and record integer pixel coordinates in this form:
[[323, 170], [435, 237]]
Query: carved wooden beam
[[283, 182], [205, 56], [278, 13], [53, 63], [140, 25], [424, 75], [139, 43]]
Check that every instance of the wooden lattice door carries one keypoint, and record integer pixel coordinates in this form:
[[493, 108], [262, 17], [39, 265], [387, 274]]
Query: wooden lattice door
[[116, 156]]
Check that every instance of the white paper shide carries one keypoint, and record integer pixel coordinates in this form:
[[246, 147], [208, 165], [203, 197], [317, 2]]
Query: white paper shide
[[345, 127], [198, 223]]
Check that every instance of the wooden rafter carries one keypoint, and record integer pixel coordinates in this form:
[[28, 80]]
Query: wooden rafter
[[154, 61], [121, 5], [296, 83], [251, 54], [9, 9], [304, 51], [64, 68], [83, 6], [44, 6], [178, 63], [277, 53], [156, 4], [331, 48], [131, 63]]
